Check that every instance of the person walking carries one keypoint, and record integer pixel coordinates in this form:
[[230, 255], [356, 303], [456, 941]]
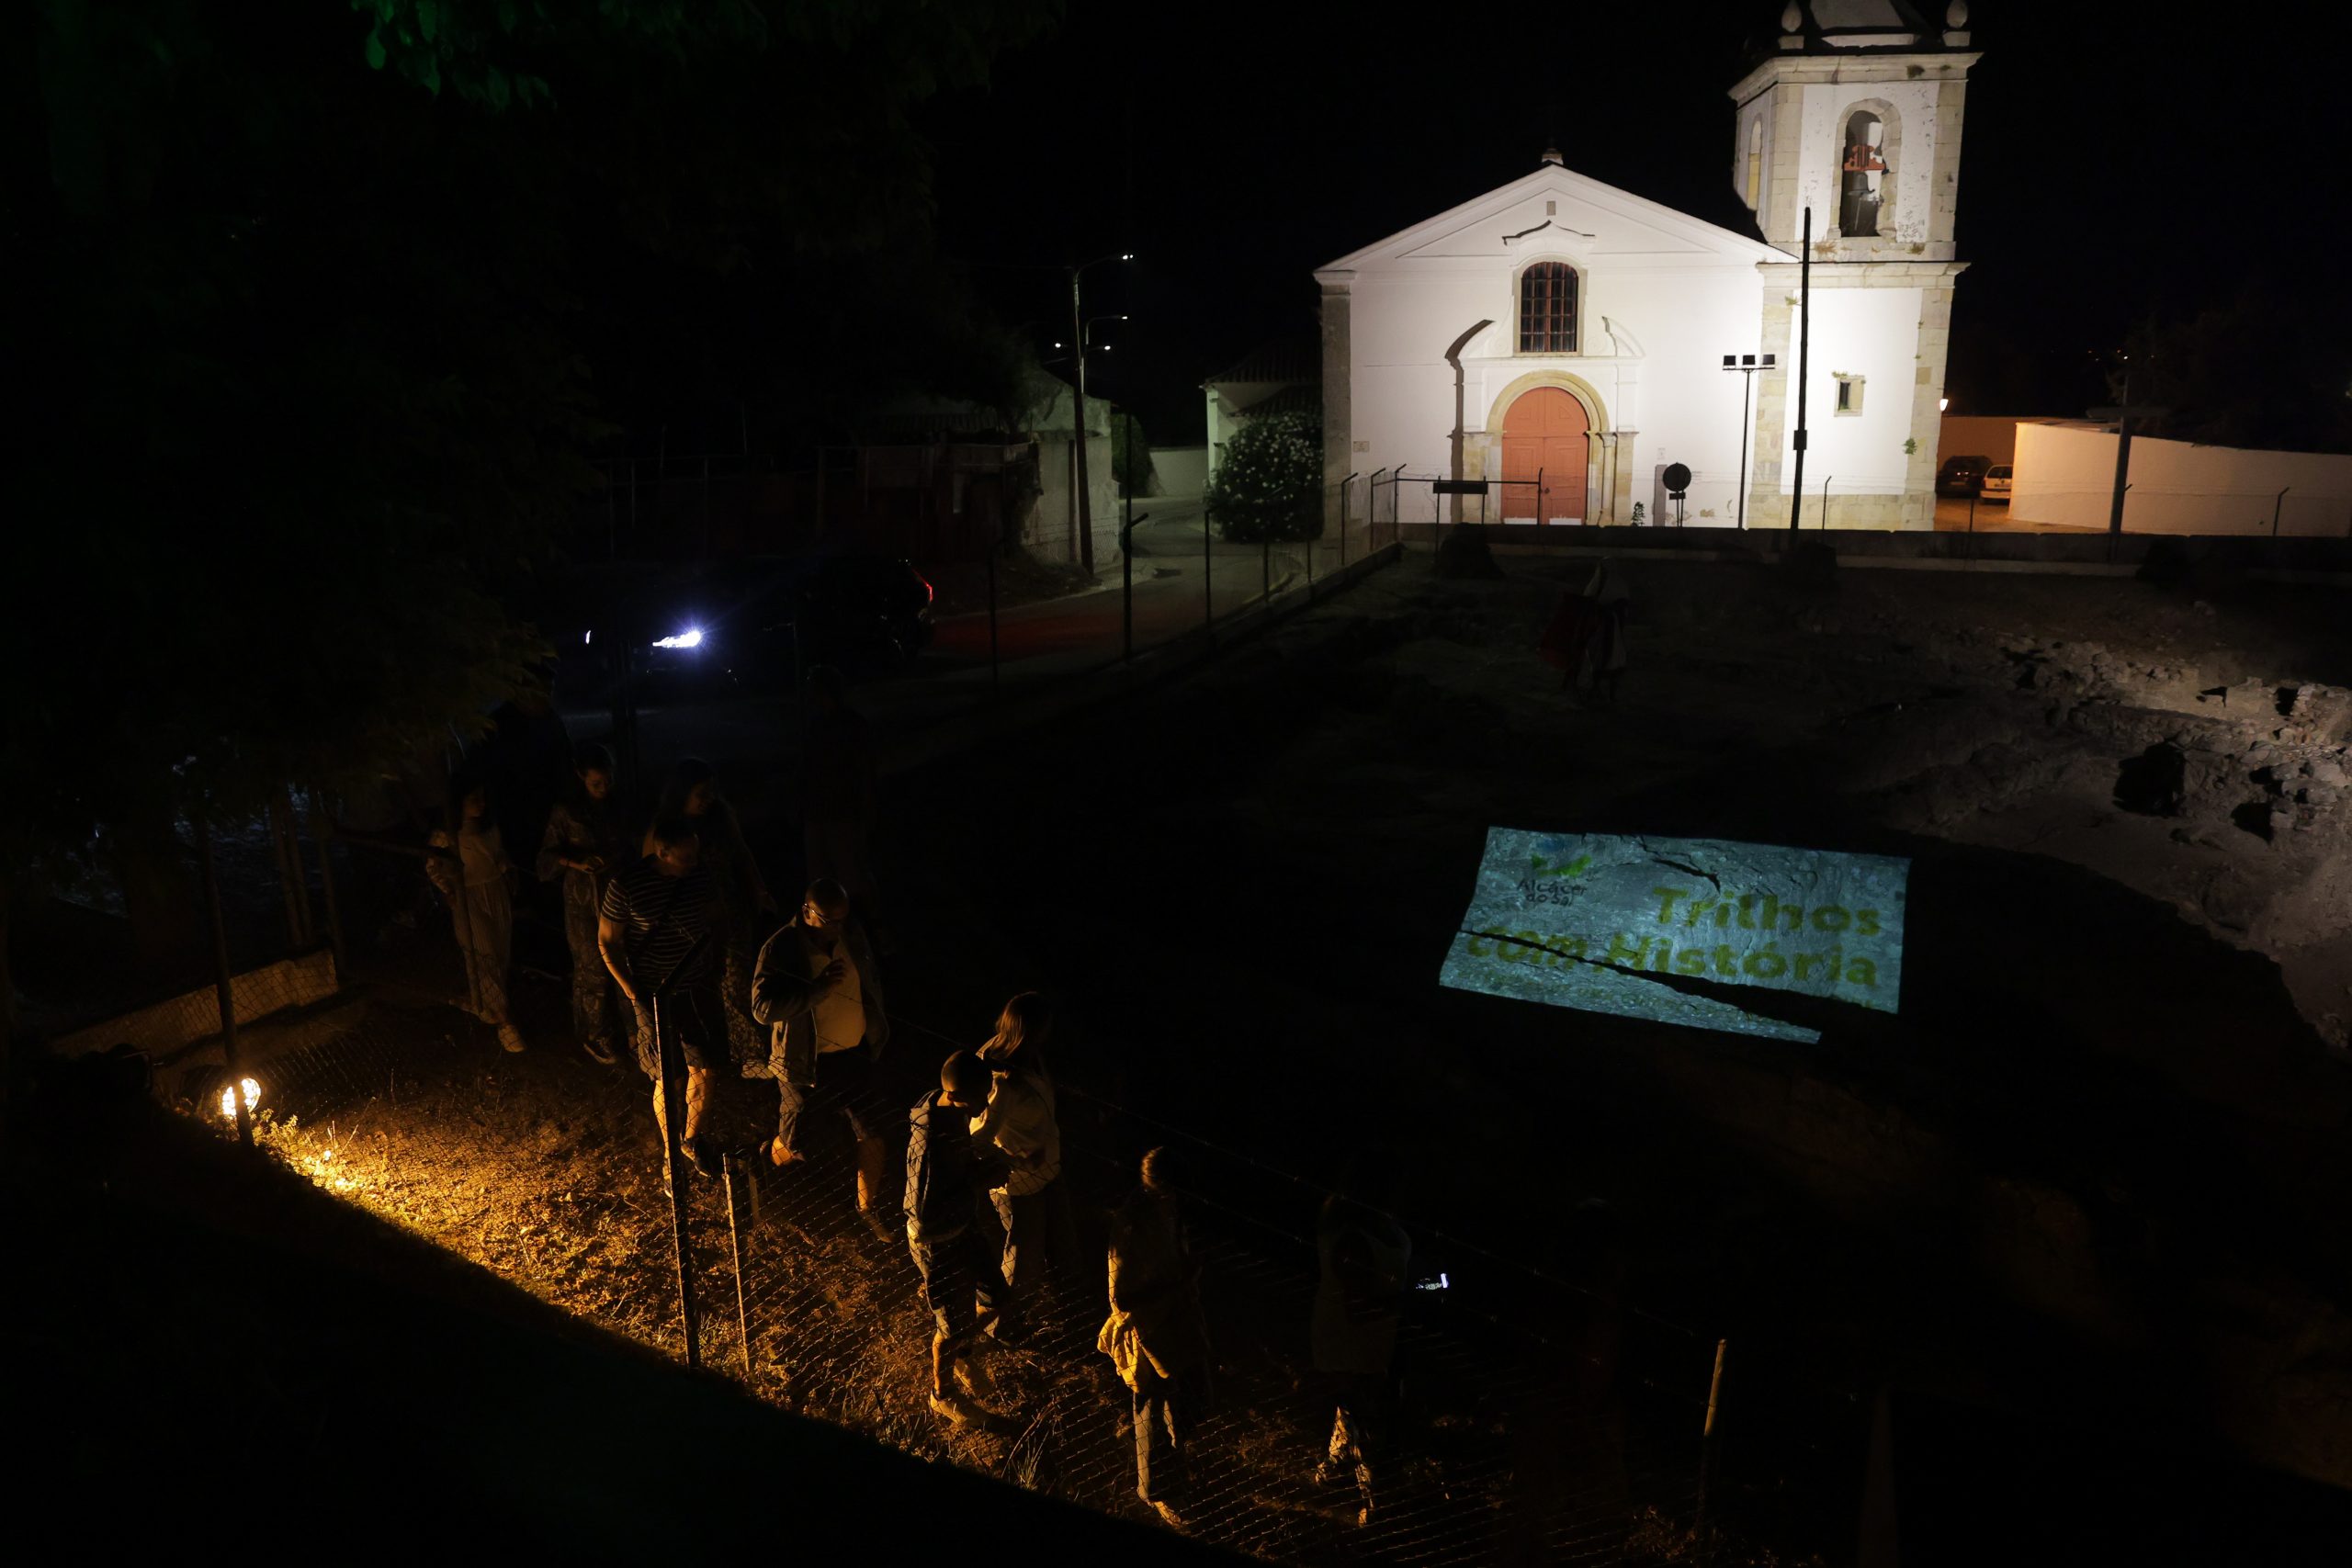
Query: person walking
[[1586, 637], [1157, 1336], [840, 794], [741, 898], [963, 1282], [1032, 1204], [818, 990], [478, 883], [654, 929], [584, 846], [1363, 1256]]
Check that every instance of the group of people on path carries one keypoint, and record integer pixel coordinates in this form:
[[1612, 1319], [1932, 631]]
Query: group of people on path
[[680, 916]]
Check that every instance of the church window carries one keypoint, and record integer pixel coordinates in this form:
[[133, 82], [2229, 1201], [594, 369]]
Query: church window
[[1850, 394], [1755, 162], [1547, 309], [1861, 176]]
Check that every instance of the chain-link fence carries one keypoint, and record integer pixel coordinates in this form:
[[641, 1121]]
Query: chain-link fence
[[1537, 1420]]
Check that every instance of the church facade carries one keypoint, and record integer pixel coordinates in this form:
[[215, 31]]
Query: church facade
[[1567, 340]]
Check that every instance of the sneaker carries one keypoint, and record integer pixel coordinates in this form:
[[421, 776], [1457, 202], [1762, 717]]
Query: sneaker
[[1167, 1515], [512, 1038], [703, 1156], [600, 1051], [951, 1408]]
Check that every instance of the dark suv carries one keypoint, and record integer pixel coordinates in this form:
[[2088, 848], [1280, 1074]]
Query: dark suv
[[741, 625], [1961, 476]]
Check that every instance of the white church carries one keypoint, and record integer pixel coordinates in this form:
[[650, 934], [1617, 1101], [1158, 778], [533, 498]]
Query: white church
[[1569, 340]]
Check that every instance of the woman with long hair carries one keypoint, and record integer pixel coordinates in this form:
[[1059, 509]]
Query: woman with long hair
[[1033, 1203], [738, 921], [478, 883]]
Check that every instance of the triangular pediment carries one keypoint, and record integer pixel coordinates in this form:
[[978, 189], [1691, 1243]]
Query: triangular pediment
[[1557, 209]]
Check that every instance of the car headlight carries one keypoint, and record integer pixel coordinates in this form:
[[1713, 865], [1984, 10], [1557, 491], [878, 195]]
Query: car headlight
[[690, 638]]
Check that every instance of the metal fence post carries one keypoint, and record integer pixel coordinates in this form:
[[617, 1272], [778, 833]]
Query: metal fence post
[[1710, 1436], [2277, 502], [673, 1114], [1266, 551], [222, 992], [1208, 569], [735, 1241], [1343, 520], [320, 831]]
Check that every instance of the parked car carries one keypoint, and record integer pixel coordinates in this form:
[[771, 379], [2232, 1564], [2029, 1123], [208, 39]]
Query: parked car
[[741, 625], [1997, 483], [1961, 476]]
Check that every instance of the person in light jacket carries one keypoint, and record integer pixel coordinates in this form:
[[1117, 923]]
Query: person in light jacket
[[817, 989], [1156, 1334], [479, 886]]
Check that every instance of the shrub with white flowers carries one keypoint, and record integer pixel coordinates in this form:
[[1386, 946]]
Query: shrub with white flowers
[[1270, 485]]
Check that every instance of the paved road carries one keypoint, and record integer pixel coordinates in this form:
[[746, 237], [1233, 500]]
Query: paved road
[[751, 734]]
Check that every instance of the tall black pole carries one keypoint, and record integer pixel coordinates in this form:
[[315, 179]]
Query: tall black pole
[[1739, 501], [2122, 462], [1078, 429], [1127, 545], [222, 992], [1805, 347]]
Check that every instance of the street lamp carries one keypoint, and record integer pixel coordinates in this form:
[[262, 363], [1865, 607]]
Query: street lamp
[[1748, 365], [1078, 412]]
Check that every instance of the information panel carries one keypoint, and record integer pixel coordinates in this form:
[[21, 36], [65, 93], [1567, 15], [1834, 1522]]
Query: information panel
[[1591, 920]]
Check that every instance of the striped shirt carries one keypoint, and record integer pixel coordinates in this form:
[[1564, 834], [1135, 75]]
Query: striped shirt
[[661, 918]]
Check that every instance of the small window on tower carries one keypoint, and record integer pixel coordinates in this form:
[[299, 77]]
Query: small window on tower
[[1755, 162], [1850, 394], [1861, 176], [1547, 309]]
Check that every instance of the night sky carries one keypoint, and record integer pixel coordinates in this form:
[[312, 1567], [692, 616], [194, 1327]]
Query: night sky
[[2112, 165]]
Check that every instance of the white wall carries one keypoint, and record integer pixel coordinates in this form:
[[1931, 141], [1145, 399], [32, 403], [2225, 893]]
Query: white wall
[[1179, 470], [1053, 534], [2067, 477], [1872, 332]]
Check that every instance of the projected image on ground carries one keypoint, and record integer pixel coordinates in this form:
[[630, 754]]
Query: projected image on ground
[[1583, 921]]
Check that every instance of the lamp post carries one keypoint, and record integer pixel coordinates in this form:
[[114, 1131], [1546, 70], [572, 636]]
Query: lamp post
[[1077, 419], [1747, 365]]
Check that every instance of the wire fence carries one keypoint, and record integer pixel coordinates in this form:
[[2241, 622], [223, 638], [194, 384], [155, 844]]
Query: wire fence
[[1540, 1419]]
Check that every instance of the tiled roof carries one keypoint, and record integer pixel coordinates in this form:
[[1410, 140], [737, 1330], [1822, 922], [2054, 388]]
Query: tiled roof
[[1287, 359]]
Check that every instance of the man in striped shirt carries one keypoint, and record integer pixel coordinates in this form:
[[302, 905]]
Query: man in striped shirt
[[652, 929]]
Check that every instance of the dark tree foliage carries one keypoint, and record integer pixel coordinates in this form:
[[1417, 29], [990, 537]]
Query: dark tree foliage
[[321, 308], [2266, 366]]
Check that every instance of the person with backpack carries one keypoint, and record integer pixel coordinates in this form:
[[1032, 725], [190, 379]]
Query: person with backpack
[[962, 1281], [1033, 1203]]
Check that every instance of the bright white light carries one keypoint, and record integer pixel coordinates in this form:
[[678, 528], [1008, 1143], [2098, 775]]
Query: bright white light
[[1127, 255], [1943, 403], [229, 1098], [584, 636], [690, 638]]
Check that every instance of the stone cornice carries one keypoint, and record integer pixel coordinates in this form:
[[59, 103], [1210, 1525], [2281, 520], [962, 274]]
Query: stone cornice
[[1864, 274], [1934, 66]]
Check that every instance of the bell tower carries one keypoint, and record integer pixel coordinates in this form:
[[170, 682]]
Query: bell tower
[[1853, 108]]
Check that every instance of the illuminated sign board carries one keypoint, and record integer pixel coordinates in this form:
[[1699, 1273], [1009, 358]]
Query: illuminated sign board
[[1674, 929]]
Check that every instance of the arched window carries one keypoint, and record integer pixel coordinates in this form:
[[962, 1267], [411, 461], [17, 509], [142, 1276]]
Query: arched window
[[1547, 309], [1755, 183], [1861, 176]]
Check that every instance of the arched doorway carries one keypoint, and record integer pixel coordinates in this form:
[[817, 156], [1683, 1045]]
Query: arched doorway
[[1546, 436]]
